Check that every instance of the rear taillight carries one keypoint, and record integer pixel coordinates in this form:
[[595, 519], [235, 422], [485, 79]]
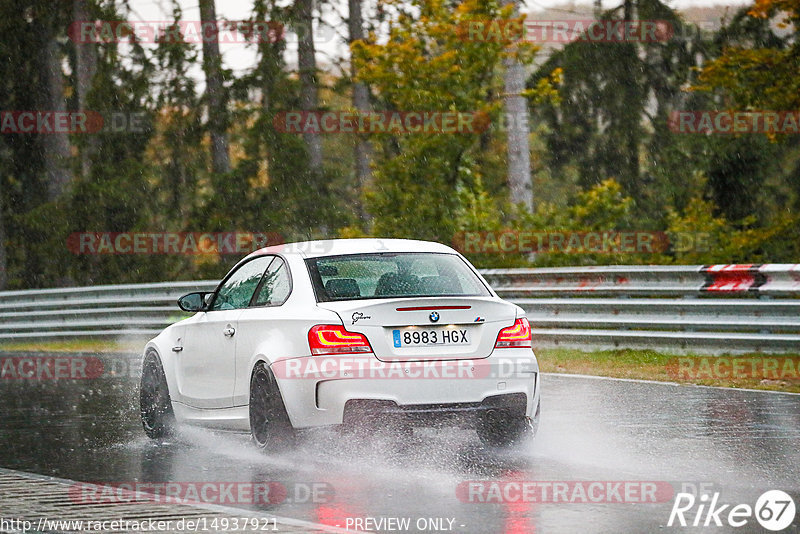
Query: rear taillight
[[515, 336], [334, 339]]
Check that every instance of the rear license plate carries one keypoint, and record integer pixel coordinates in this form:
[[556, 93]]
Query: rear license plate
[[417, 337]]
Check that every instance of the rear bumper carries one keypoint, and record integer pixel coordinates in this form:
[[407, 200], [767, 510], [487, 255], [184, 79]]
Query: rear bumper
[[509, 378], [463, 414]]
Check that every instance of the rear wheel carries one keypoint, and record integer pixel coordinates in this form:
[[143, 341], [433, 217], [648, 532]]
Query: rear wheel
[[269, 423], [158, 419], [500, 428]]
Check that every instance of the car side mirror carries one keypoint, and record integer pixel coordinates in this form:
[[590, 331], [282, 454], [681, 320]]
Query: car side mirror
[[193, 302]]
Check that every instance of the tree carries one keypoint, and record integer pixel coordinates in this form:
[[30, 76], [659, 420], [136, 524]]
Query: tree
[[758, 69], [84, 67], [754, 68], [307, 70], [56, 145], [361, 103], [425, 66], [274, 183], [616, 98], [518, 145], [216, 99], [178, 125], [3, 258]]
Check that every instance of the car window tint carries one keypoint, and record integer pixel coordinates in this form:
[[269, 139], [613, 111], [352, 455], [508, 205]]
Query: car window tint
[[276, 286], [237, 291], [383, 275]]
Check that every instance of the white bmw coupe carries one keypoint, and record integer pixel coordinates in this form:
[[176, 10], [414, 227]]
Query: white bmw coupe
[[344, 332]]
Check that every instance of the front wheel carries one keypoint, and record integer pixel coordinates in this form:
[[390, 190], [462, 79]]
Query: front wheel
[[269, 423], [158, 418]]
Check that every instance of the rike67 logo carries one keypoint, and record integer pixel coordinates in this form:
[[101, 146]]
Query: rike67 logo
[[774, 510]]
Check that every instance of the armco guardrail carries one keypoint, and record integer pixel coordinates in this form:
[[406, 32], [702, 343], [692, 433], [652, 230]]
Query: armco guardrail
[[716, 308], [131, 309]]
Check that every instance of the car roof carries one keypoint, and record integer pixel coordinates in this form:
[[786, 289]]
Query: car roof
[[337, 247]]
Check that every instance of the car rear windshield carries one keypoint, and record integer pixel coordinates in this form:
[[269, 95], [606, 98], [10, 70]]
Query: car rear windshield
[[392, 275]]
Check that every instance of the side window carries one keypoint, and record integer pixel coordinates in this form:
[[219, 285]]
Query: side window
[[276, 286], [237, 290]]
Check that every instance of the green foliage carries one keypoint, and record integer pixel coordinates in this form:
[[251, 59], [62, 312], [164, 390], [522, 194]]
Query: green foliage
[[702, 237], [425, 65], [604, 207], [615, 98], [757, 67], [604, 158], [477, 210]]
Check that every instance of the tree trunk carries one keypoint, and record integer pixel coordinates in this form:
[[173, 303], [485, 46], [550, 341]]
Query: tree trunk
[[363, 150], [518, 149], [627, 10], [85, 68], [3, 257], [215, 97], [55, 146], [307, 67], [629, 55]]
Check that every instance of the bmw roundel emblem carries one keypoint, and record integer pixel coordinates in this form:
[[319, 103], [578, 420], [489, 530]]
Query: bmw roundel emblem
[[434, 317]]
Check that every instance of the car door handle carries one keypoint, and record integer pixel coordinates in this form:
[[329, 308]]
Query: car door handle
[[229, 331], [177, 349]]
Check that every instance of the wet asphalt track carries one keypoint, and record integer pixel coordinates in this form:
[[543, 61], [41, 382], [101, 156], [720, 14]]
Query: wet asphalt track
[[737, 443]]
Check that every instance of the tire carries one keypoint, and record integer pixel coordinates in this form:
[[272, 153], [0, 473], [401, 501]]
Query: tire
[[158, 419], [498, 428], [269, 424]]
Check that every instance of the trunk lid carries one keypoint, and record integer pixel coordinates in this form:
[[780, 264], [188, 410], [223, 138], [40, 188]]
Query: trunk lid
[[447, 328]]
